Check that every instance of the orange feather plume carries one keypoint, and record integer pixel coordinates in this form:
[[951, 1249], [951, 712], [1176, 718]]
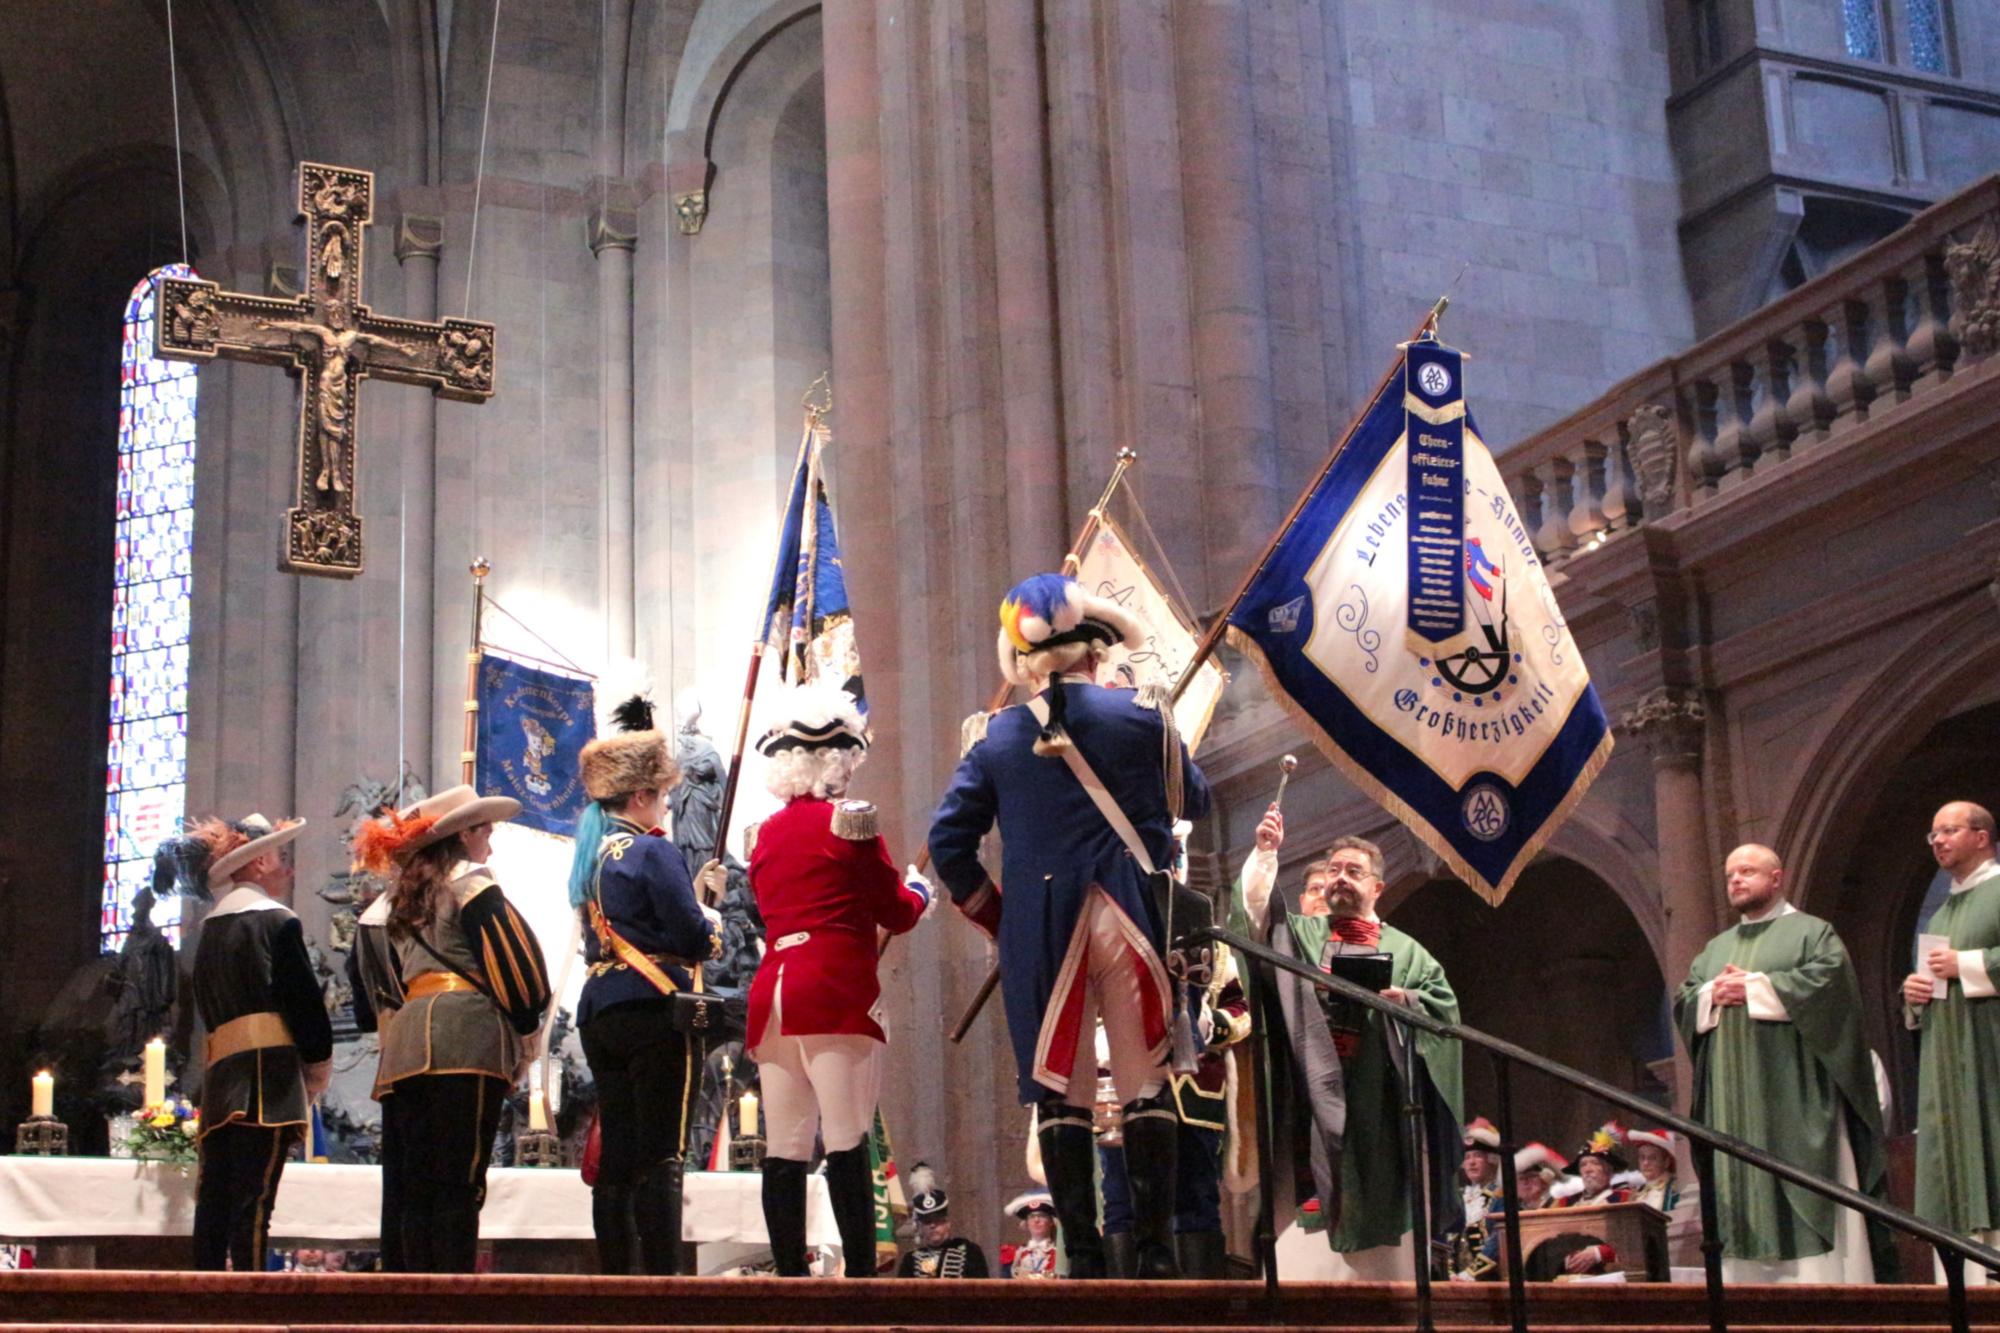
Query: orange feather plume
[[379, 843], [217, 836]]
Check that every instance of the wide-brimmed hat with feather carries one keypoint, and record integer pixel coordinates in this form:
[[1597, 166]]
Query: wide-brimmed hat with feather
[[380, 843]]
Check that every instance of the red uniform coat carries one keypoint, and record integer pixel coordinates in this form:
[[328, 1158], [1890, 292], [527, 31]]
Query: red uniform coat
[[834, 892]]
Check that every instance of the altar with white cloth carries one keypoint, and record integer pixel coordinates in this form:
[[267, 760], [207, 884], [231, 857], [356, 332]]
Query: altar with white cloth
[[86, 1198]]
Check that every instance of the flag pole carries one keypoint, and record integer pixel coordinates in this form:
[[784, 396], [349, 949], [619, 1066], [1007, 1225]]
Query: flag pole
[[1213, 635], [810, 446], [468, 754]]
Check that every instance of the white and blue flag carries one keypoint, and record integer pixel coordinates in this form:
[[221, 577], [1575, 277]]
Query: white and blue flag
[[1405, 618]]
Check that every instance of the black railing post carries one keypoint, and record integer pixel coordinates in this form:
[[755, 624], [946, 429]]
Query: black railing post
[[1711, 1235], [1510, 1196], [1420, 1213], [1257, 979], [1953, 1264]]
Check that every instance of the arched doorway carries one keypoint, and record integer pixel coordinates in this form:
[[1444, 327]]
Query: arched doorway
[[1563, 968]]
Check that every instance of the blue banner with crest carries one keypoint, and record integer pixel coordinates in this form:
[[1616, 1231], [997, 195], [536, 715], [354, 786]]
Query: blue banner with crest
[[533, 725]]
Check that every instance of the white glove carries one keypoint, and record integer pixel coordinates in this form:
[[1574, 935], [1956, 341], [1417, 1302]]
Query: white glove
[[711, 881], [914, 879], [714, 917]]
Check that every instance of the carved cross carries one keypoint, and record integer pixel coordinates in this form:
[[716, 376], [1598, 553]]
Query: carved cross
[[329, 341]]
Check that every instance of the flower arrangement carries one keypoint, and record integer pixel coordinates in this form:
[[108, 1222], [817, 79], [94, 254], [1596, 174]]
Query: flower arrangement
[[167, 1132]]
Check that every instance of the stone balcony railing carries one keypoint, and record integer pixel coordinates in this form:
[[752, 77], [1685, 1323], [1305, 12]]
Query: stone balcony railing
[[1892, 324]]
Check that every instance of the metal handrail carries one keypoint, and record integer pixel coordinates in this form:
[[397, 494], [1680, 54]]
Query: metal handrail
[[1953, 1250]]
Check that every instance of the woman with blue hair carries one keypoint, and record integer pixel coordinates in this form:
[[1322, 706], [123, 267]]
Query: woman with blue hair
[[646, 935]]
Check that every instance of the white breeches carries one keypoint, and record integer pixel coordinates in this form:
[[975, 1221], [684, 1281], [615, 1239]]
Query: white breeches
[[825, 1085], [1113, 991]]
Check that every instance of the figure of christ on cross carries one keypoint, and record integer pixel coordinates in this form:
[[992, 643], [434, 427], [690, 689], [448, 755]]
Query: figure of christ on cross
[[331, 341]]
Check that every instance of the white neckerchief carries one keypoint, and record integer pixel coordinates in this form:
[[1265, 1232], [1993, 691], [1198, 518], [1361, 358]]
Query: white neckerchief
[[460, 869], [1982, 872], [1772, 914], [245, 898]]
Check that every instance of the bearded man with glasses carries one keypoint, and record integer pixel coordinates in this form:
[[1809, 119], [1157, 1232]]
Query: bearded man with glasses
[[1951, 1000], [1339, 1068]]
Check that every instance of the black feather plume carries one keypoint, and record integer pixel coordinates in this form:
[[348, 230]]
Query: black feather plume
[[180, 865], [634, 714]]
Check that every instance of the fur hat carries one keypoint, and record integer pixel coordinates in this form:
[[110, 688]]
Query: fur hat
[[629, 754], [817, 716]]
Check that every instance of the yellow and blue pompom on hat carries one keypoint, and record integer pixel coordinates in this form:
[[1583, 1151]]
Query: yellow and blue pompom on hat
[[1050, 610]]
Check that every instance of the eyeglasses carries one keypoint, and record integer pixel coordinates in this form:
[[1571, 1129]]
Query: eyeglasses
[[1948, 831]]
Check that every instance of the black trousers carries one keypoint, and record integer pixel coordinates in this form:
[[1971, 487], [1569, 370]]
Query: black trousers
[[647, 1079], [238, 1186], [437, 1139]]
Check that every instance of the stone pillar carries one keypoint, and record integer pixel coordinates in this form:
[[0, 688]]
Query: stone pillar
[[419, 245], [1231, 318], [1671, 720], [614, 234]]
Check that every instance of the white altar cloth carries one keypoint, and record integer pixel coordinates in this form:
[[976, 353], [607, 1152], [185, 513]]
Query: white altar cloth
[[64, 1197]]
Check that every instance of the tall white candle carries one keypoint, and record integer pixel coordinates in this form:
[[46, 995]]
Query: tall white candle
[[538, 1112], [746, 1116], [45, 1095], [156, 1072]]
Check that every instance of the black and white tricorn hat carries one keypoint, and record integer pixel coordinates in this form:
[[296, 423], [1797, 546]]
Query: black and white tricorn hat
[[817, 715]]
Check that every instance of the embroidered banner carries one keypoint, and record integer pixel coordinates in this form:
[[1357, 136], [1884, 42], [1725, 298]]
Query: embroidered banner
[[1406, 619], [807, 622], [533, 724]]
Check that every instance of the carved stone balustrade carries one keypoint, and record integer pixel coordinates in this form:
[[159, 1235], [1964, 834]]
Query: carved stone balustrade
[[1894, 323]]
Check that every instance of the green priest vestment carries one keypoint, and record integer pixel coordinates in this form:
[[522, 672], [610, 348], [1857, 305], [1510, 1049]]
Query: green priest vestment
[[1786, 1086], [1958, 1113]]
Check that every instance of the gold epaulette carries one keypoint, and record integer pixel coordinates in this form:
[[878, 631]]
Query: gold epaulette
[[750, 832], [854, 820], [971, 732]]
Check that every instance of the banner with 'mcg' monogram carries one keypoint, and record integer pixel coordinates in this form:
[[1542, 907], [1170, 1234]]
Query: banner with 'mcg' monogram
[[1405, 618]]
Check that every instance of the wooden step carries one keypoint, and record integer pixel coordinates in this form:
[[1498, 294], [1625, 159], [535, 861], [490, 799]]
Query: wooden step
[[383, 1303]]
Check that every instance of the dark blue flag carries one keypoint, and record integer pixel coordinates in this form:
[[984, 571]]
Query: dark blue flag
[[807, 620], [533, 723], [1407, 621]]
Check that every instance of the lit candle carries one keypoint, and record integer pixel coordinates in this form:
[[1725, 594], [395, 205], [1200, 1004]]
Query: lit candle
[[45, 1096], [156, 1072], [746, 1116], [538, 1113]]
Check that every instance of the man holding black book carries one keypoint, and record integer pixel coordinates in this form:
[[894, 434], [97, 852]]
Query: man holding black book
[[1339, 1066]]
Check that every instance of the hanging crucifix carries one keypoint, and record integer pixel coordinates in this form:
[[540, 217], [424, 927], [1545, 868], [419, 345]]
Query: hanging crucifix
[[330, 342]]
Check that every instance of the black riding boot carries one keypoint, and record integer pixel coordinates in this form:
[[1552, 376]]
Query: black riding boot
[[1069, 1156], [1121, 1254], [656, 1216], [785, 1214], [611, 1219], [1203, 1254], [851, 1185], [1150, 1131]]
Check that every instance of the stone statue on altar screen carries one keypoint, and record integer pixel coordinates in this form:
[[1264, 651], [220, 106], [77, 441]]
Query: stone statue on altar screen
[[144, 987], [697, 808]]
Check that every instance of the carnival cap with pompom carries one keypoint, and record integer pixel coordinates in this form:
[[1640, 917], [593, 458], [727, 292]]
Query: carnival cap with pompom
[[1657, 1138], [630, 754], [816, 715], [1048, 611]]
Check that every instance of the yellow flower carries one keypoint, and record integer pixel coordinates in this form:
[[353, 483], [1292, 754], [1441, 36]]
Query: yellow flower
[[164, 1120]]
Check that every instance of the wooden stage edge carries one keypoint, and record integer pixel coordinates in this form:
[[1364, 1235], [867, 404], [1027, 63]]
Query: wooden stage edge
[[48, 1299]]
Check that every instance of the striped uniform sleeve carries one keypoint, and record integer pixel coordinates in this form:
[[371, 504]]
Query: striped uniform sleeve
[[510, 956]]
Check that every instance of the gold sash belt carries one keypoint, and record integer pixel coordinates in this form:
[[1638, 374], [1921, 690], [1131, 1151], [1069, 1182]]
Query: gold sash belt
[[247, 1033], [426, 984]]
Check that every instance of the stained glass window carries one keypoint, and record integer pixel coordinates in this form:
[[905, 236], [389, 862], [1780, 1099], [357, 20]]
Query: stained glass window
[[145, 778], [1864, 28], [1927, 35]]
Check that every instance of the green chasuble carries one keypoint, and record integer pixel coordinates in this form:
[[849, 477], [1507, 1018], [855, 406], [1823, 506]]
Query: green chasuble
[[1374, 1179], [1958, 1113], [1786, 1087]]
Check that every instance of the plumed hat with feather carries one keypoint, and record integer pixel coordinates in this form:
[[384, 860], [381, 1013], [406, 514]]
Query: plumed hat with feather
[[1049, 611], [630, 754]]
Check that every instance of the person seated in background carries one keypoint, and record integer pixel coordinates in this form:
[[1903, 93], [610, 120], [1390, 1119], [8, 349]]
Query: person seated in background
[[1538, 1168]]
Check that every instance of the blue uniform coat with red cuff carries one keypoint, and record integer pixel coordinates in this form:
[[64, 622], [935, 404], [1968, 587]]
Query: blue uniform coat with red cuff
[[1055, 846], [836, 892]]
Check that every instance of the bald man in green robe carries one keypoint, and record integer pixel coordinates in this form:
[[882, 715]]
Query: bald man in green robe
[[1951, 1002], [1771, 1015]]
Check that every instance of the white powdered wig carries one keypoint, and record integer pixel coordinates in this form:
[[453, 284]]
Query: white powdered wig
[[824, 773]]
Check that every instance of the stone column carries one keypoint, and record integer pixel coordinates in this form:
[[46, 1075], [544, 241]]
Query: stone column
[[419, 245], [614, 234], [1671, 720]]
